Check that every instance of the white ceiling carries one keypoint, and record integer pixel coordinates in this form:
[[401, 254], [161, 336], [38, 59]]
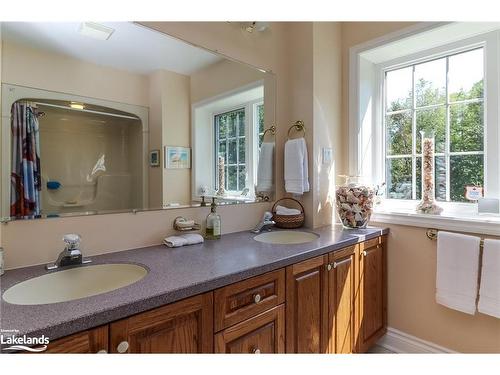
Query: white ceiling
[[131, 47]]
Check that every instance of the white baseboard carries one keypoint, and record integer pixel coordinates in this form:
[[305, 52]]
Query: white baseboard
[[400, 342]]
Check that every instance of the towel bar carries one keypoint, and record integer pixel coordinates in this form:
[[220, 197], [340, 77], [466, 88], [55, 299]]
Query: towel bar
[[432, 234]]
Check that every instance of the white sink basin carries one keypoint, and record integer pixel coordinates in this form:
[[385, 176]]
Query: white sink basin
[[286, 237], [74, 283]]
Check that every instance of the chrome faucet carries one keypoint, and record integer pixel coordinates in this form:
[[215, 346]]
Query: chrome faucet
[[266, 223], [71, 255]]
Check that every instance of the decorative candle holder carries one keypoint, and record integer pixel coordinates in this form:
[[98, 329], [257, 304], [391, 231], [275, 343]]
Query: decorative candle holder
[[428, 205], [222, 179]]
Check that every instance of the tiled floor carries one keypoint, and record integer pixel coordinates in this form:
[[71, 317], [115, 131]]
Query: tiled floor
[[376, 349]]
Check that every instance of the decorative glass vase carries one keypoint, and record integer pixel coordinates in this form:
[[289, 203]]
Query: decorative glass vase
[[354, 203], [428, 205]]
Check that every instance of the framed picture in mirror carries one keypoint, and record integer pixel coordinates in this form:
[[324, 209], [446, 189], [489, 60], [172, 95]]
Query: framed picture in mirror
[[154, 158], [177, 157]]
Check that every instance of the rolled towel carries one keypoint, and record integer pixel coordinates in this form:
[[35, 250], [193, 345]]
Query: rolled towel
[[281, 210], [192, 238], [175, 241]]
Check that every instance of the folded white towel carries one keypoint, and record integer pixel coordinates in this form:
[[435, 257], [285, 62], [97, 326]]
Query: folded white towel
[[281, 210], [183, 240], [193, 238], [489, 291], [457, 271], [266, 167], [175, 241], [296, 169]]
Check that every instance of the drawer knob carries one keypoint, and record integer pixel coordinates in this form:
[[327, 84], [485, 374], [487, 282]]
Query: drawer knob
[[329, 267], [257, 298], [256, 351], [102, 351], [365, 253], [122, 347]]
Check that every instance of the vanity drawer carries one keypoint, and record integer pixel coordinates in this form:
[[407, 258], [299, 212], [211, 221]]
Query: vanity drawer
[[371, 243], [237, 302]]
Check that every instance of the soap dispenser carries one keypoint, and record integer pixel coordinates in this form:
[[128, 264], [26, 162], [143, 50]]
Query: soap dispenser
[[213, 225]]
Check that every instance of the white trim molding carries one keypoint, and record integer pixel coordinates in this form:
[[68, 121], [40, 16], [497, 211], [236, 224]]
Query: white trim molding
[[403, 343]]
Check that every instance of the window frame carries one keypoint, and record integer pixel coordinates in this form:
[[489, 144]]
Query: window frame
[[251, 143], [490, 44]]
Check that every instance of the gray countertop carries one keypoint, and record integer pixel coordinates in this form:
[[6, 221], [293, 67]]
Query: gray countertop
[[174, 274]]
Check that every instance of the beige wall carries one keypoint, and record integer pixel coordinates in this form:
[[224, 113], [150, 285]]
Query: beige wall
[[55, 72], [411, 295]]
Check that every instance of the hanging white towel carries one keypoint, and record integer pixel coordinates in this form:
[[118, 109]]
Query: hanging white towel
[[489, 291], [457, 271], [296, 169], [266, 167]]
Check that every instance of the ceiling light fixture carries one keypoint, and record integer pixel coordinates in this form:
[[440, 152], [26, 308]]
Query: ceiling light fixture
[[77, 106], [95, 30]]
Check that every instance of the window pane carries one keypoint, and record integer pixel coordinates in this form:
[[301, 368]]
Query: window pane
[[260, 117], [231, 157], [222, 120], [222, 151], [241, 150], [241, 123], [398, 89], [430, 83], [432, 119], [439, 178], [466, 127], [231, 125], [465, 170], [399, 134], [242, 177], [466, 75], [399, 178], [232, 177]]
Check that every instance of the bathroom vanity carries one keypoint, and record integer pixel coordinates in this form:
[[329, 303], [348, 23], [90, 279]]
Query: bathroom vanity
[[235, 295]]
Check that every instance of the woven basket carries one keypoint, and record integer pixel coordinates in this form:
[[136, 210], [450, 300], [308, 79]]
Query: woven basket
[[289, 221]]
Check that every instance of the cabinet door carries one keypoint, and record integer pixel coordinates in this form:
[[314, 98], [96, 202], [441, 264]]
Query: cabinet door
[[373, 293], [342, 282], [182, 327], [91, 341], [307, 306], [264, 333]]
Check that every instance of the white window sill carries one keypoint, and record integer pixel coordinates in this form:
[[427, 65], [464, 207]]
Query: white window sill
[[464, 220]]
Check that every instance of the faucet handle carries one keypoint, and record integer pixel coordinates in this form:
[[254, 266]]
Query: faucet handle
[[267, 216], [72, 240]]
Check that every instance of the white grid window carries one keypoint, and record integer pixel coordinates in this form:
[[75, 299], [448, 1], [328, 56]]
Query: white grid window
[[446, 95]]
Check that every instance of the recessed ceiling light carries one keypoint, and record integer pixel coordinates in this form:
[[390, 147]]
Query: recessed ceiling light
[[77, 105], [95, 30]]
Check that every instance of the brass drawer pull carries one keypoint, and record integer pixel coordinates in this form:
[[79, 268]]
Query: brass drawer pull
[[257, 298], [336, 264]]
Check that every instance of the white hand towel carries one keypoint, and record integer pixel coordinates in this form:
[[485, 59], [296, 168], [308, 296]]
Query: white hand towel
[[296, 169], [192, 238], [281, 210], [175, 241], [489, 291], [266, 167], [457, 271]]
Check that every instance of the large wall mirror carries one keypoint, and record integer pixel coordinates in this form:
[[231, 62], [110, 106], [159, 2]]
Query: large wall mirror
[[116, 117]]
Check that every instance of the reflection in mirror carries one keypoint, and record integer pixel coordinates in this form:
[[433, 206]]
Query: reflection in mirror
[[125, 119]]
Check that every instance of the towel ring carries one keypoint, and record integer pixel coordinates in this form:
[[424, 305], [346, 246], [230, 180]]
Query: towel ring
[[271, 129], [298, 126]]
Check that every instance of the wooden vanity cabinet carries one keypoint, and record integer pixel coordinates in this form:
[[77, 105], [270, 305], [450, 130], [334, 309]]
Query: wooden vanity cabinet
[[372, 300], [181, 327], [91, 341], [333, 303], [307, 306]]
